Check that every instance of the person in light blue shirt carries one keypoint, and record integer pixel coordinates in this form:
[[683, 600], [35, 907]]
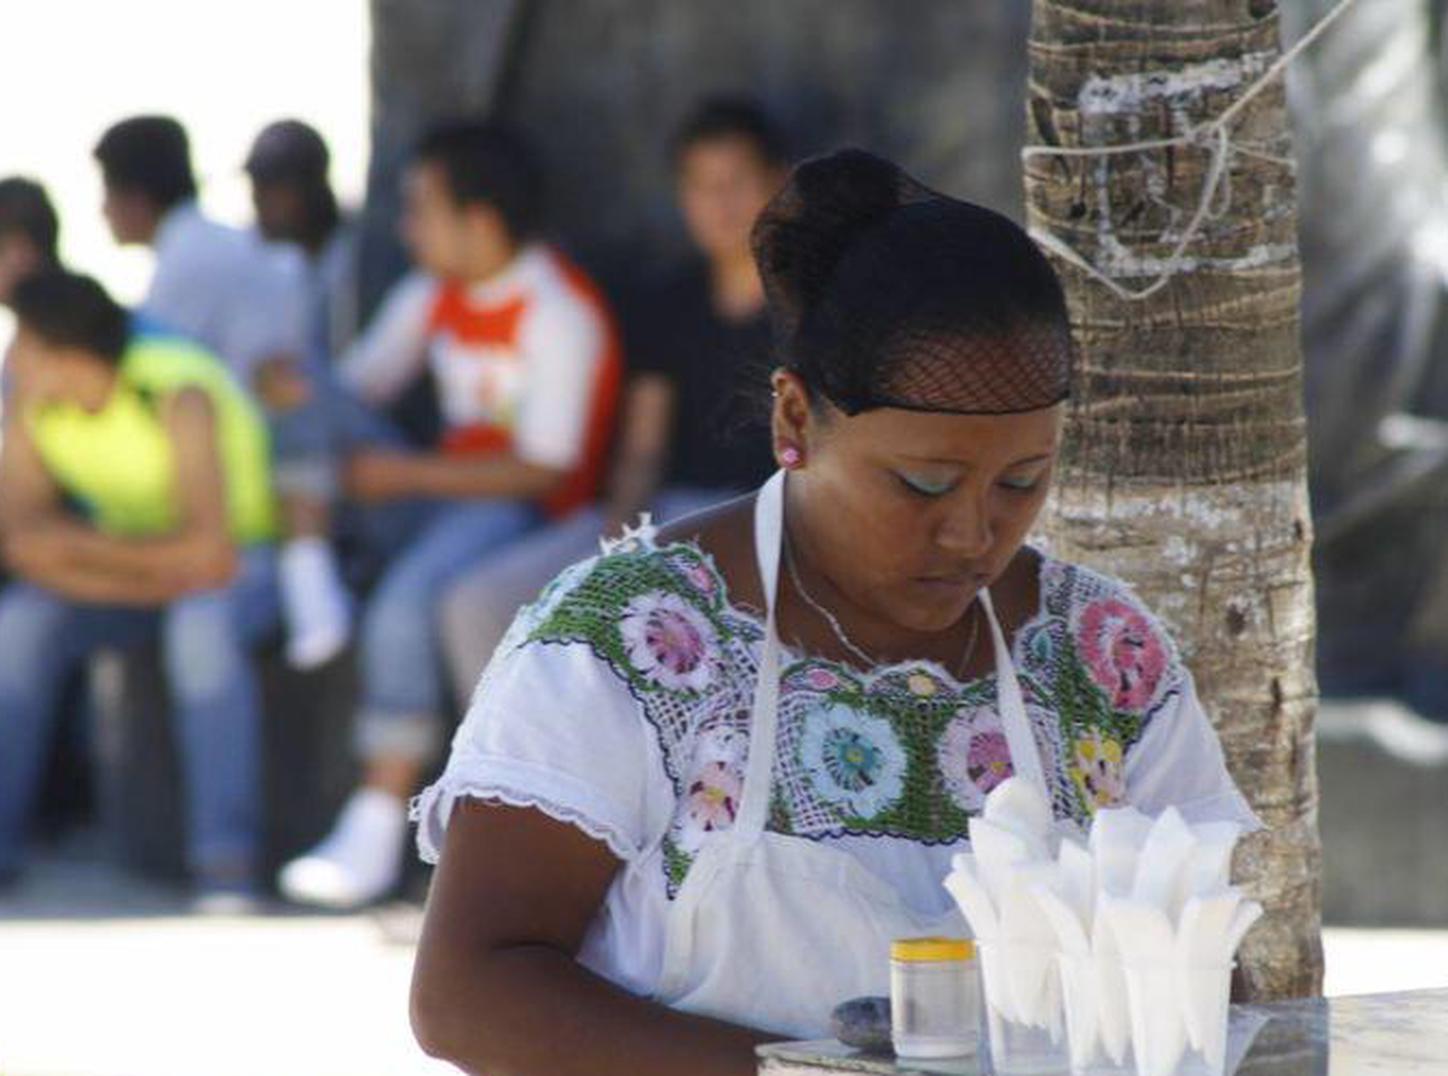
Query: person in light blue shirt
[[243, 299]]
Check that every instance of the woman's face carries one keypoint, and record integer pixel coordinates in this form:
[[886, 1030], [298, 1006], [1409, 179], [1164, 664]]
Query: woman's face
[[909, 514]]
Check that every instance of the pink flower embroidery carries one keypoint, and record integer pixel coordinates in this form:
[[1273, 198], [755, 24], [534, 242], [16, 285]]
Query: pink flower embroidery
[[1122, 652], [990, 760], [714, 797], [974, 757], [701, 578], [668, 641], [821, 679], [711, 799]]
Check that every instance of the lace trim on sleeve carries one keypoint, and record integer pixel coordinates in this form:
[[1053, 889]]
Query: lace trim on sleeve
[[517, 784]]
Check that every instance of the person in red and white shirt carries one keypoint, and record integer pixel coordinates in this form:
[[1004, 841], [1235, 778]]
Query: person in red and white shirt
[[527, 365]]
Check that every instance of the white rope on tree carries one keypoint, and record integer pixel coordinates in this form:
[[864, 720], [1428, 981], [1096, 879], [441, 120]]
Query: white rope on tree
[[1214, 134]]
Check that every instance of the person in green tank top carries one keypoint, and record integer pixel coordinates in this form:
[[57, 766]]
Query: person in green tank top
[[135, 500]]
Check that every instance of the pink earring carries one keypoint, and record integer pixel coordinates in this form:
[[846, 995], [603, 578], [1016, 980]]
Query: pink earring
[[790, 457]]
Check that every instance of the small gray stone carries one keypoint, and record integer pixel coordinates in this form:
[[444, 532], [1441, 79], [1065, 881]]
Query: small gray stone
[[863, 1023]]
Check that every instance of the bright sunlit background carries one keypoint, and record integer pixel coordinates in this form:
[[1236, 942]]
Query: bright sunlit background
[[70, 68]]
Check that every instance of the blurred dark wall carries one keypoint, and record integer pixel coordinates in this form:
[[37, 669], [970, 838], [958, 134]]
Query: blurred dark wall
[[937, 84]]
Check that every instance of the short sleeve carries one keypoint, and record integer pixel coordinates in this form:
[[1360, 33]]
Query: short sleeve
[[552, 728], [233, 293], [380, 363], [183, 298], [1178, 762], [563, 348]]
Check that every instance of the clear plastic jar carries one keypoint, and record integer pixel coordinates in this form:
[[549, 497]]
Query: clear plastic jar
[[934, 997]]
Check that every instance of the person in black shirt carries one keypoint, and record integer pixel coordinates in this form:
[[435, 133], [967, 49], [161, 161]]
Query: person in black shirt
[[692, 338], [700, 357]]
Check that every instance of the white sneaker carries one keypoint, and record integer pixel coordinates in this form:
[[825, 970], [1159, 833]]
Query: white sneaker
[[359, 862], [315, 603]]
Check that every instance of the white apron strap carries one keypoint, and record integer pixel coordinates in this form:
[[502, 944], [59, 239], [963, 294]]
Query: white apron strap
[[1025, 756], [764, 721]]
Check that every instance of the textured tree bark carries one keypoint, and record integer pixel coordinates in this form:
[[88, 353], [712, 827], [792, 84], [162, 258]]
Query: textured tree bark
[[1185, 471]]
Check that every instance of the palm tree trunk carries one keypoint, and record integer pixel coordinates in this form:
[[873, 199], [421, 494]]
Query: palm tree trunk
[[1185, 471]]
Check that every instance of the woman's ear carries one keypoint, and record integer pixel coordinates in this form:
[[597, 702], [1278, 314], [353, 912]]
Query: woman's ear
[[793, 422]]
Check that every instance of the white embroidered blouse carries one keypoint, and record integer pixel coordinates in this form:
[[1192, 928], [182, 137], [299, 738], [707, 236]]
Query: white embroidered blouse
[[619, 703]]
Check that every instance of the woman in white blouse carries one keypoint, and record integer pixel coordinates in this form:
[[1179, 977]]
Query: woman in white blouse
[[713, 772]]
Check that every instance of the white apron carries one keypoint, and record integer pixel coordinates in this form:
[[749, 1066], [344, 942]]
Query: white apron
[[771, 931]]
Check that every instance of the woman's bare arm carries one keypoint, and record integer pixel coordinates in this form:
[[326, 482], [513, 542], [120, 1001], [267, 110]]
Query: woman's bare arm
[[496, 988]]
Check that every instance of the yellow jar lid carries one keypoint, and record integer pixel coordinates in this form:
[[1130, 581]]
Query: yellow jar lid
[[921, 950]]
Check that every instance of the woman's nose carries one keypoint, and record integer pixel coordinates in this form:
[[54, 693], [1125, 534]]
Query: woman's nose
[[966, 532]]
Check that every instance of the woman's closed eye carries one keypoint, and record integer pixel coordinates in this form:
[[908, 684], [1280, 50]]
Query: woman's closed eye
[[926, 485], [1020, 483]]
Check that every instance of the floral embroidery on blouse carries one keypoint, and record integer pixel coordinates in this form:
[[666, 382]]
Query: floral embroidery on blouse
[[711, 802], [669, 642], [853, 760], [974, 756], [904, 751]]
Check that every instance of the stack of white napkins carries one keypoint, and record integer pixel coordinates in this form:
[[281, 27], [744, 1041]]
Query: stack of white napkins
[[1139, 920], [1013, 859]]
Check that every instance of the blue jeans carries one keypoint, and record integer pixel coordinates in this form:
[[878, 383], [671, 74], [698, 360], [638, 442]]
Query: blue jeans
[[404, 695], [205, 639]]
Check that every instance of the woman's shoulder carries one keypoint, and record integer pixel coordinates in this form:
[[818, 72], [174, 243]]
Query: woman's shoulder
[[1071, 589], [705, 558], [655, 606]]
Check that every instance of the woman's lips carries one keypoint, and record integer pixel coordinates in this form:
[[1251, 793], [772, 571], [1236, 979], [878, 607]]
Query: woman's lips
[[955, 580]]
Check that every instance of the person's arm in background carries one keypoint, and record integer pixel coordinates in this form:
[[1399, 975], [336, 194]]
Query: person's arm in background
[[497, 988], [46, 545], [269, 326], [391, 351], [642, 454], [562, 356]]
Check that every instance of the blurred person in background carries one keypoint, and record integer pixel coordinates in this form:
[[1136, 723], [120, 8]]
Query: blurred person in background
[[295, 203], [166, 457], [692, 335], [240, 298], [526, 361], [29, 232], [296, 207]]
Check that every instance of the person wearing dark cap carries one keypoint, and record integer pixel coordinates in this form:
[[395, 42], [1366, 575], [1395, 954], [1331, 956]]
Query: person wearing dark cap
[[714, 771], [240, 298], [29, 232], [288, 167]]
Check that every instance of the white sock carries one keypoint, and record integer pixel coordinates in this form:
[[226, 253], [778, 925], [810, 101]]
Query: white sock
[[359, 861], [316, 605]]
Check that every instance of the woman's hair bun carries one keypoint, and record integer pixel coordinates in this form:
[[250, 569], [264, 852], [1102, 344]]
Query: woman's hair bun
[[885, 293], [804, 232]]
